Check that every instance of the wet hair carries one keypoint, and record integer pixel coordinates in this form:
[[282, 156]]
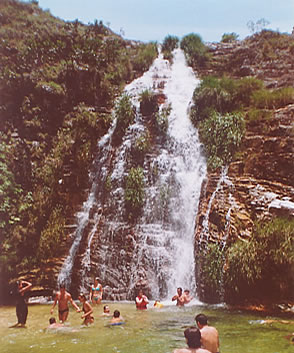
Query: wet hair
[[193, 336], [180, 288], [116, 313], [105, 306], [201, 318], [52, 320], [186, 291], [62, 286]]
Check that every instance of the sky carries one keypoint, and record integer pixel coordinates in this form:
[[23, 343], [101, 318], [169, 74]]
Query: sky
[[153, 20]]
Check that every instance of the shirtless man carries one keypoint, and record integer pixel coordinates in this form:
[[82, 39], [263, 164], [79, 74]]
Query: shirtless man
[[193, 336], [186, 297], [179, 297], [209, 334], [63, 297]]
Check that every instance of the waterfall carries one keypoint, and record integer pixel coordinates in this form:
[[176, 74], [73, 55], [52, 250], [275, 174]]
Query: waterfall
[[159, 245], [205, 224]]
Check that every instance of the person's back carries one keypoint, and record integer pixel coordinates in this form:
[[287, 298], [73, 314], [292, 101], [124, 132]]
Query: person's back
[[193, 337], [209, 338], [191, 350], [209, 334]]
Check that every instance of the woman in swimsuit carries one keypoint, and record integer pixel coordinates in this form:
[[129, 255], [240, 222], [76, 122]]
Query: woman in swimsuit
[[96, 292], [87, 309], [21, 305]]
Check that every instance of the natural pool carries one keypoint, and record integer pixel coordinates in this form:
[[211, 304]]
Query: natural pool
[[154, 330]]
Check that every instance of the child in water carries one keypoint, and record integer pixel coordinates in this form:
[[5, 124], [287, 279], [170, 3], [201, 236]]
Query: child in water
[[116, 319]]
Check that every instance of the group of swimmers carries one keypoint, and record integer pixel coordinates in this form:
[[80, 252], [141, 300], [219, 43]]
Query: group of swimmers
[[62, 297], [200, 339], [181, 297]]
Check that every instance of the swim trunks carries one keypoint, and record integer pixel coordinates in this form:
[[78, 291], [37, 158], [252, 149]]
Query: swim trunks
[[63, 311]]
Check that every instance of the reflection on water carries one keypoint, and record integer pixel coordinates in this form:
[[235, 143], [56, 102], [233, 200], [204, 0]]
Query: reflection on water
[[154, 330]]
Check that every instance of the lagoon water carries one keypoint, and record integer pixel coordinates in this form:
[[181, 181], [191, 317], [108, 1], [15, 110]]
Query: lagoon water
[[154, 330]]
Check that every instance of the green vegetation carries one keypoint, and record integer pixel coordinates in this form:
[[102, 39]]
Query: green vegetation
[[148, 102], [222, 136], [274, 99], [216, 102], [146, 53], [211, 263], [266, 269], [195, 51], [58, 84], [213, 94], [162, 119], [169, 44], [125, 114], [229, 37], [142, 143], [134, 191]]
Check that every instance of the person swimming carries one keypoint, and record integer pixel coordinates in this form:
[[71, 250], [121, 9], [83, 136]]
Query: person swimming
[[116, 319], [106, 311]]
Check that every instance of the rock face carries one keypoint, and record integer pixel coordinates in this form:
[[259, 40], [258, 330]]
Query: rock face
[[259, 183]]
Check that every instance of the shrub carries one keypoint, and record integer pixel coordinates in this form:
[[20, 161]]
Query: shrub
[[210, 265], [229, 37], [266, 266], [195, 50], [141, 146], [222, 95], [148, 102], [170, 43], [134, 192], [245, 88], [162, 119], [222, 136], [213, 94], [265, 99], [125, 114], [52, 235], [146, 53]]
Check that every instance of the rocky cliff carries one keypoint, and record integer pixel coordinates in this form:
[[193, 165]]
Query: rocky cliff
[[259, 183]]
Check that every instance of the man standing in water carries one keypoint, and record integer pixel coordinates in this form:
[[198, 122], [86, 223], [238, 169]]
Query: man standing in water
[[179, 297], [209, 334], [63, 297]]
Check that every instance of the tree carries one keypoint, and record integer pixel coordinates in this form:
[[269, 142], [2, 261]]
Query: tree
[[258, 25]]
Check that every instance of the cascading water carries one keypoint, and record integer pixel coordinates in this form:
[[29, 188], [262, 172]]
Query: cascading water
[[159, 245]]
